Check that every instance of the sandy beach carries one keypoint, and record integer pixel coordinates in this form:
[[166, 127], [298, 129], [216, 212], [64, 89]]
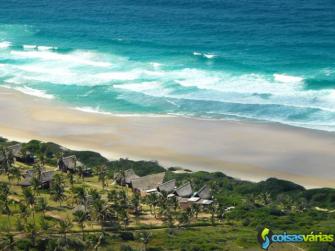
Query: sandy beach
[[245, 150]]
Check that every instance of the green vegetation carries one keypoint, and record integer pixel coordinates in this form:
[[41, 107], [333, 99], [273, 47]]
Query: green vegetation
[[94, 213]]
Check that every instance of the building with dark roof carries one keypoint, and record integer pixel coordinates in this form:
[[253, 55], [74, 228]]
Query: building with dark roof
[[167, 187], [45, 179], [16, 150], [126, 177], [71, 164], [184, 191], [147, 183]]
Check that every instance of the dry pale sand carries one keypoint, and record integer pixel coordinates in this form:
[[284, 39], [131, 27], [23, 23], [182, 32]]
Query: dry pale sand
[[251, 151]]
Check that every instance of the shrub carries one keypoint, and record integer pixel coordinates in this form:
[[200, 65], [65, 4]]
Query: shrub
[[127, 236]]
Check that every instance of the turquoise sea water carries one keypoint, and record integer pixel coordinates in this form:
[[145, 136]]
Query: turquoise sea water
[[250, 59]]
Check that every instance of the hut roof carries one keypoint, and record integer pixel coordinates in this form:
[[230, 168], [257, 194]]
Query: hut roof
[[204, 193], [148, 182], [70, 161], [15, 150], [45, 177], [168, 186], [185, 190], [129, 176]]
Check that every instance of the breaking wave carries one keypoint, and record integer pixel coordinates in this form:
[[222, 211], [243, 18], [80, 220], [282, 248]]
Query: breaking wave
[[107, 83]]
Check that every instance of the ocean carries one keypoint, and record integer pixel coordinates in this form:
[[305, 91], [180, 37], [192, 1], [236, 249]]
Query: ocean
[[265, 60]]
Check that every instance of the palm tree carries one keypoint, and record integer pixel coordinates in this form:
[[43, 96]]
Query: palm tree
[[173, 202], [41, 158], [95, 195], [57, 189], [152, 200], [31, 229], [112, 196], [7, 163], [80, 217], [64, 226], [4, 201], [24, 212], [44, 224], [183, 218], [212, 208], [123, 216], [8, 160], [38, 170], [101, 171], [14, 173], [80, 171], [80, 195], [70, 178], [36, 184], [136, 203], [195, 209], [102, 212], [145, 237], [42, 205], [30, 200], [7, 242]]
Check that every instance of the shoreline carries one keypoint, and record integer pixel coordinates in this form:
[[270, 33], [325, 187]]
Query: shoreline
[[246, 150]]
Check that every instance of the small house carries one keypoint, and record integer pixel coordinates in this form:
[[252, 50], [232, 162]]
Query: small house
[[45, 180], [167, 187], [126, 177], [68, 164], [203, 196], [148, 183], [184, 191], [71, 164]]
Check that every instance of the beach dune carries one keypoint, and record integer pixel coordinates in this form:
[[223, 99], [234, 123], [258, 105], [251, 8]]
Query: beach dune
[[246, 150]]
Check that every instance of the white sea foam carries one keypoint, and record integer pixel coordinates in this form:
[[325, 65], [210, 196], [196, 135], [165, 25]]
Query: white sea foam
[[5, 44], [155, 65], [120, 73], [34, 92], [29, 47], [98, 110], [46, 48], [139, 87], [78, 57], [209, 56], [287, 78], [92, 110], [205, 55]]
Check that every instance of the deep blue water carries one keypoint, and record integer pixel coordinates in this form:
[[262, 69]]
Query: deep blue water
[[250, 59]]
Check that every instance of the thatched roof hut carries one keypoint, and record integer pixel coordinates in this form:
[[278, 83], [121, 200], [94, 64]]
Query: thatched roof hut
[[126, 178], [71, 164], [45, 179], [68, 163], [148, 182], [203, 196], [204, 193], [168, 186], [184, 191], [15, 150]]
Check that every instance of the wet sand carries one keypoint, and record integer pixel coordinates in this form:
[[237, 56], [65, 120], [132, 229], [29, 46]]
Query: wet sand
[[245, 150]]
